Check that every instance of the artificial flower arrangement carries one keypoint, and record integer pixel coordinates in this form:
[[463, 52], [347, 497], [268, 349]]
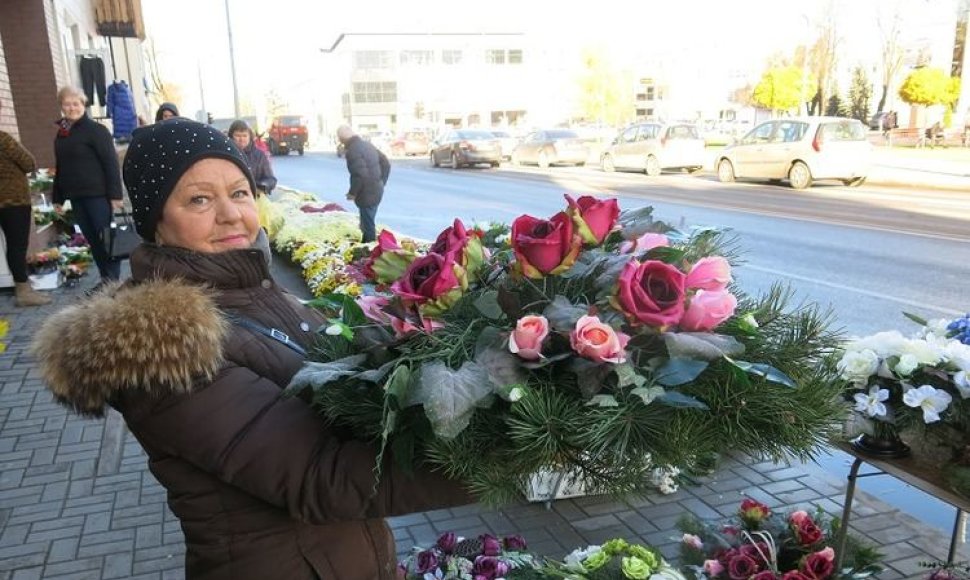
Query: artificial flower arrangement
[[916, 385], [762, 545], [484, 558], [41, 181], [615, 558], [594, 343], [944, 571], [44, 261]]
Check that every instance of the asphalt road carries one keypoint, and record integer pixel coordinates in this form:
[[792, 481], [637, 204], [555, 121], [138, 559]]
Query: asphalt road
[[869, 253]]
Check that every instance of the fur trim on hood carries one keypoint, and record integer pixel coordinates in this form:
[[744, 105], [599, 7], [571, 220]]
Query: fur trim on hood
[[159, 336]]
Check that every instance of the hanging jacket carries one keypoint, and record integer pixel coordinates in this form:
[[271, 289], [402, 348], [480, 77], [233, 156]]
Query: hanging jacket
[[121, 109]]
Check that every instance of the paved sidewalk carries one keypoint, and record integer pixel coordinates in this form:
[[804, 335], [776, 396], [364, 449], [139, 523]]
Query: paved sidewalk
[[77, 500]]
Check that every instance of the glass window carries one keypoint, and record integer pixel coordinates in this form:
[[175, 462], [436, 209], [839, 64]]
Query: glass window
[[372, 92], [648, 132], [417, 57], [789, 132], [515, 56], [760, 134], [561, 134], [629, 136], [451, 56], [372, 59], [844, 131], [649, 94], [682, 132], [495, 56]]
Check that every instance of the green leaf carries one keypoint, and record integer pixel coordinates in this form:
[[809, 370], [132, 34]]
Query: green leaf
[[562, 315], [767, 371], [679, 371], [315, 375], [679, 400], [590, 376], [490, 337], [503, 367], [701, 345], [397, 385], [450, 397], [665, 254], [376, 375], [648, 394], [603, 401], [626, 375], [332, 302], [915, 318], [488, 305], [353, 315]]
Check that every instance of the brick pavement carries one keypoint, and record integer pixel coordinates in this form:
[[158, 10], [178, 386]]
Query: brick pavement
[[77, 501]]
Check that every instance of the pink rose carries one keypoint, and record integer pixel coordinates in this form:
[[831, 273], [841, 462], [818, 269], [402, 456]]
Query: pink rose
[[798, 517], [594, 219], [526, 339], [819, 565], [794, 575], [710, 274], [651, 293], [742, 567], [403, 327], [433, 283], [707, 309], [387, 260], [544, 246], [693, 541], [597, 341], [807, 532], [646, 242], [713, 568], [373, 307], [764, 575]]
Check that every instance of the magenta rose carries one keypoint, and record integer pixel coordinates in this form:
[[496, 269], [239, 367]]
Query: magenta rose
[[544, 246], [742, 567], [447, 542], [403, 327], [713, 568], [651, 293], [647, 241], [491, 546], [594, 218], [433, 283], [765, 575], [489, 567], [465, 244], [794, 575], [819, 565], [526, 339], [757, 552], [597, 341], [515, 543], [373, 308], [387, 260], [707, 309], [806, 531], [709, 274], [427, 562]]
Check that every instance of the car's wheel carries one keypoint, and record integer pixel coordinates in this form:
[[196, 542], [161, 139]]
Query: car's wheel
[[455, 161], [854, 182], [652, 167], [543, 160], [274, 150], [725, 171], [800, 176], [434, 160], [607, 164], [494, 164], [300, 151], [581, 164]]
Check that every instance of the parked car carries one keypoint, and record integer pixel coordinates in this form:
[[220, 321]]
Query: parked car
[[507, 141], [652, 147], [463, 147], [411, 143], [551, 147], [380, 139], [801, 150], [287, 133]]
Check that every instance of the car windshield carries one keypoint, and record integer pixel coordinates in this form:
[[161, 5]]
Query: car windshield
[[475, 135], [847, 130], [291, 121], [561, 134], [682, 132]]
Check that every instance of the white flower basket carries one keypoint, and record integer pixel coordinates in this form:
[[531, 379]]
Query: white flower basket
[[49, 281], [548, 485]]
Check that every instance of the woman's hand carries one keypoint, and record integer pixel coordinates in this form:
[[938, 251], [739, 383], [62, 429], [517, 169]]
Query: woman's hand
[[117, 204]]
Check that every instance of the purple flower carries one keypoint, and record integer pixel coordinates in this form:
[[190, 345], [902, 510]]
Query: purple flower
[[490, 567], [490, 545], [427, 561], [447, 542], [515, 543]]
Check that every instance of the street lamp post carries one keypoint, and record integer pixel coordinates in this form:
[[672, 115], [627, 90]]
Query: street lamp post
[[232, 63], [808, 37]]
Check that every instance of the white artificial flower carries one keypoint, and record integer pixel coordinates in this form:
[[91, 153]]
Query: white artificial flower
[[906, 365], [962, 382], [884, 344], [957, 354], [858, 365], [574, 561], [334, 330], [935, 328], [872, 404], [931, 400], [924, 352], [667, 573]]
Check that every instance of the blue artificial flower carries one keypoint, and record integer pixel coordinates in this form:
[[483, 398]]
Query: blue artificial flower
[[960, 329]]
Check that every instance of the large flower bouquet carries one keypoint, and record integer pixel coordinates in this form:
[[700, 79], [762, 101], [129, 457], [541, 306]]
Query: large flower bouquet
[[917, 384], [591, 343], [762, 545]]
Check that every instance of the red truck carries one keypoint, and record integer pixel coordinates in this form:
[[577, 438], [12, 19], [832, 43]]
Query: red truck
[[287, 133]]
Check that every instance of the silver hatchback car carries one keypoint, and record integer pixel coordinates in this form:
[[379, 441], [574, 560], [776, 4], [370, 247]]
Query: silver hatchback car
[[652, 147], [801, 150]]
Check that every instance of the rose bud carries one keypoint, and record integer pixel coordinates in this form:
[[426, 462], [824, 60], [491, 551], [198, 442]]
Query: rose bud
[[644, 243], [707, 309], [597, 341], [526, 339], [544, 247], [710, 274], [594, 219]]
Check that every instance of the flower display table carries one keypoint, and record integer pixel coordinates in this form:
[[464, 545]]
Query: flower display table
[[907, 470]]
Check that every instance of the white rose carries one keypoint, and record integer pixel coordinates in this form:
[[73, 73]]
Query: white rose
[[957, 354], [925, 352], [884, 344], [858, 366], [962, 382], [906, 365]]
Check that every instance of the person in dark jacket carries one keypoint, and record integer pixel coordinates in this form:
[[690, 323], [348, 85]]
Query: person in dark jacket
[[242, 135], [369, 170], [166, 111], [262, 486], [16, 215], [86, 173]]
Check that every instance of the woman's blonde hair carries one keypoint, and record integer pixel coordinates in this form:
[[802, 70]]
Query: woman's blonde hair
[[70, 91]]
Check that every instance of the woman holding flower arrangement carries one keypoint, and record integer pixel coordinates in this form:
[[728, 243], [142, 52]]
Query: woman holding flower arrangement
[[195, 350]]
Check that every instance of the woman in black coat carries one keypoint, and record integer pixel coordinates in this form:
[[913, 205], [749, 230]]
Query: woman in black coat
[[87, 174], [242, 135]]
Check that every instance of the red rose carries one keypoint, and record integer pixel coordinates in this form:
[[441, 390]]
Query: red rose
[[466, 246], [431, 282], [765, 575], [752, 512], [807, 532], [388, 260], [544, 246], [758, 552], [651, 293], [594, 219], [819, 565], [742, 567], [794, 575]]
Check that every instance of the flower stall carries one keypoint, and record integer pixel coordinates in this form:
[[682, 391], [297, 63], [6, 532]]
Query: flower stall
[[593, 343]]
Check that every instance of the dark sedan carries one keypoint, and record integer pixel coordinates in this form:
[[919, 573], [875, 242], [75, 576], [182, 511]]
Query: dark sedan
[[465, 147]]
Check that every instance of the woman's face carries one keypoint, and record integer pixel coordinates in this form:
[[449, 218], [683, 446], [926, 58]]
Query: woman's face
[[166, 114], [211, 210], [241, 138], [72, 107]]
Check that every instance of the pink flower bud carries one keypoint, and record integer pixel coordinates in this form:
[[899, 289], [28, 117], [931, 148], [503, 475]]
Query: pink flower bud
[[526, 339], [707, 309], [644, 243], [710, 274], [597, 341]]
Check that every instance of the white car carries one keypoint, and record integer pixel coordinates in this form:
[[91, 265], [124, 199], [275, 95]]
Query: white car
[[652, 147], [507, 141], [801, 150]]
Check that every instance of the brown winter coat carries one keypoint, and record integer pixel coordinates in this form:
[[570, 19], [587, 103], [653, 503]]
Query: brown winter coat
[[261, 487], [15, 163]]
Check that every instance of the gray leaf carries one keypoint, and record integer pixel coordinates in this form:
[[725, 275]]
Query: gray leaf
[[701, 345], [503, 367], [488, 305], [450, 397], [562, 314], [315, 374]]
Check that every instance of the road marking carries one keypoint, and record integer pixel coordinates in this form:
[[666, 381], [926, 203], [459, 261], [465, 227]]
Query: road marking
[[847, 288]]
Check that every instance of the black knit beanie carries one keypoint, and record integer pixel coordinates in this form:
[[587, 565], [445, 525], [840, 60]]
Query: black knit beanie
[[160, 154]]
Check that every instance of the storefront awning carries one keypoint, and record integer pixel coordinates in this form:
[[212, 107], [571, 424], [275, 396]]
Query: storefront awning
[[119, 18]]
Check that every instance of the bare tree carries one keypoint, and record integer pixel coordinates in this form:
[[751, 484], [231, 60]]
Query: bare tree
[[889, 19], [824, 57]]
